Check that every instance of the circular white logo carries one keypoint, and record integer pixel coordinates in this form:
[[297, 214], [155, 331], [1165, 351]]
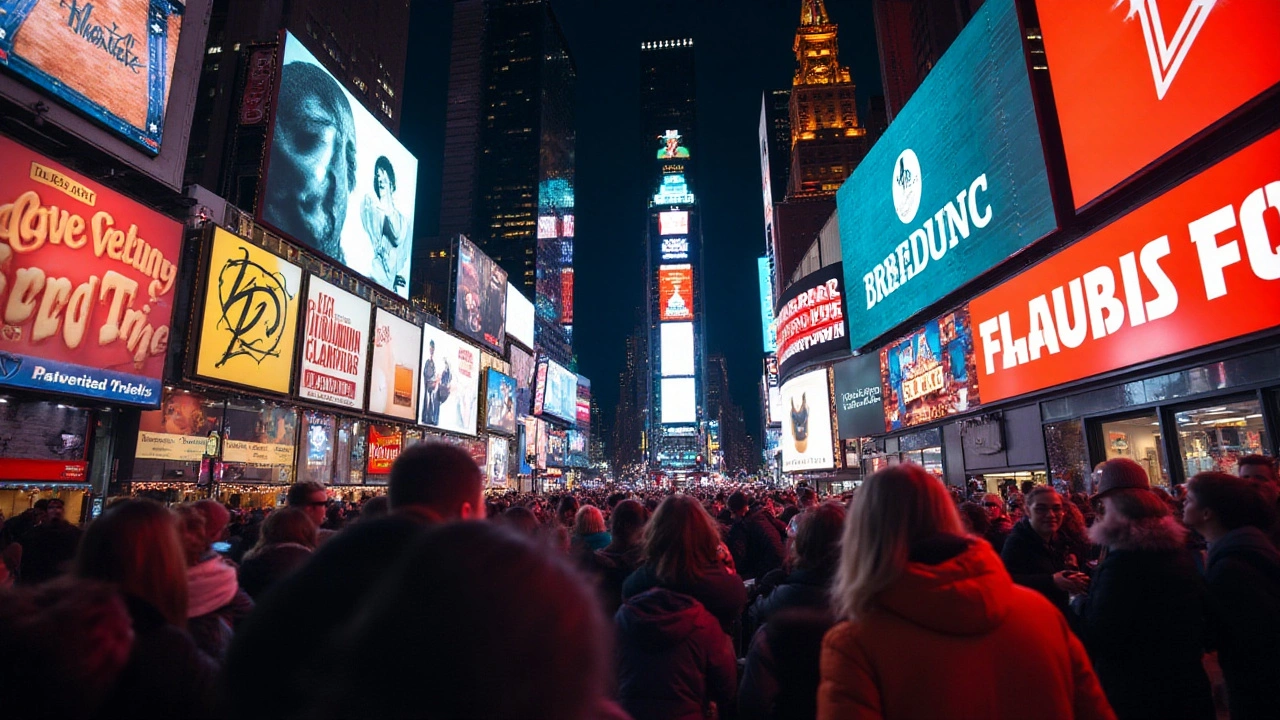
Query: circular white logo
[[906, 185]]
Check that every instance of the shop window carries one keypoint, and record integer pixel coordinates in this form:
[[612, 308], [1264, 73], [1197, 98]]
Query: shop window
[[350, 452], [259, 444], [1214, 437], [1068, 455], [1138, 439], [318, 430]]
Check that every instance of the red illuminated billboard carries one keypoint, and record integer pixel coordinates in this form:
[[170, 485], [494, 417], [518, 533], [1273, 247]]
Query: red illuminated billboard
[[675, 292]]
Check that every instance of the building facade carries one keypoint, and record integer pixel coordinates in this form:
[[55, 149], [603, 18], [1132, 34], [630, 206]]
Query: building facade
[[911, 35]]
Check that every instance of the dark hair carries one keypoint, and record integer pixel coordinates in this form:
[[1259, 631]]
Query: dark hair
[[1234, 500], [288, 525], [1029, 496], [817, 544], [382, 163], [681, 540], [805, 496], [975, 516], [437, 476], [1262, 460], [567, 504], [135, 545], [300, 81], [737, 501], [522, 519], [627, 521], [374, 507], [300, 493]]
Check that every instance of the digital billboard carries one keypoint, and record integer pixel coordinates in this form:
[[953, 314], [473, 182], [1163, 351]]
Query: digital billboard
[[584, 404], [179, 430], [576, 454], [929, 374], [450, 382], [675, 292], [519, 317], [385, 445], [111, 60], [677, 348], [674, 248], [775, 393], [393, 380], [810, 318], [496, 472], [523, 368], [249, 317], [673, 222], [557, 445], [927, 211], [806, 430], [480, 296], [335, 346], [767, 326], [1168, 77], [336, 180], [558, 391], [499, 402], [858, 394], [1193, 267], [679, 401], [87, 283], [672, 146]]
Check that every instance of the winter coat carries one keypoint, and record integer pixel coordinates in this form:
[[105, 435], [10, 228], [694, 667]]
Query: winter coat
[[1145, 622], [265, 568], [758, 543], [47, 551], [720, 591], [611, 570], [954, 637], [780, 680], [1244, 584], [215, 604], [594, 541], [1032, 562], [673, 660], [166, 676], [797, 589]]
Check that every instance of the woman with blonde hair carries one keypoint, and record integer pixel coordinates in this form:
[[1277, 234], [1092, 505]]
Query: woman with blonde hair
[[912, 591]]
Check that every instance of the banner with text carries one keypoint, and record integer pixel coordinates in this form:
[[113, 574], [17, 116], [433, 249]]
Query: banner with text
[[929, 374], [810, 318], [859, 410], [335, 346]]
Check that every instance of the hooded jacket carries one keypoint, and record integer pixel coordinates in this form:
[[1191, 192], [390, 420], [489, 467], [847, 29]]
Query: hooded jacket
[[1244, 583], [720, 591], [954, 637], [674, 661], [1033, 562]]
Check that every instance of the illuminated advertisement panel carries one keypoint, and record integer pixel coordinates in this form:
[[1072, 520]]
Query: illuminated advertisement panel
[[111, 60], [577, 449], [450, 382], [480, 296], [337, 181], [679, 401], [584, 403], [673, 222], [393, 380], [859, 389], [558, 390], [810, 318], [179, 430], [672, 146], [335, 346], [1169, 76], [677, 348], [566, 295], [775, 393], [523, 368], [385, 445], [1196, 266], [519, 317], [87, 283], [767, 325], [675, 292], [675, 248], [500, 402], [496, 472], [557, 445], [806, 431], [929, 374], [548, 227], [926, 211]]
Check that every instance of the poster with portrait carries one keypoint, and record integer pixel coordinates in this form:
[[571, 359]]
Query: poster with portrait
[[336, 180], [179, 430], [335, 346], [393, 379], [806, 429], [930, 374], [672, 146], [500, 402], [523, 368], [499, 455], [480, 296], [450, 382]]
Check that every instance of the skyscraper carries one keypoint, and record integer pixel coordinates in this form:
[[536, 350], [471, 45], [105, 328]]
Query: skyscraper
[[911, 36]]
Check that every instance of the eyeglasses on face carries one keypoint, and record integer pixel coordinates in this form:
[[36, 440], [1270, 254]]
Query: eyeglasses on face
[[1047, 509]]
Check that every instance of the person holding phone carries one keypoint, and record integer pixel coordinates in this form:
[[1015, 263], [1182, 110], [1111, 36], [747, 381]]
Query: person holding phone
[[1037, 553]]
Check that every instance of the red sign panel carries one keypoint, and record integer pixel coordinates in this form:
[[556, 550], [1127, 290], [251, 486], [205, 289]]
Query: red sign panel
[[1195, 266], [52, 470], [675, 292], [1133, 79], [385, 443]]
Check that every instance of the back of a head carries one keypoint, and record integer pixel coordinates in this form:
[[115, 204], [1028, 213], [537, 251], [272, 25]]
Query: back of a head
[[1137, 504], [374, 507], [627, 520], [680, 540], [426, 648], [568, 505], [135, 545], [738, 501], [522, 519], [817, 544], [975, 518], [299, 493], [1235, 501], [435, 476], [806, 497], [191, 530], [216, 517], [588, 521], [288, 525]]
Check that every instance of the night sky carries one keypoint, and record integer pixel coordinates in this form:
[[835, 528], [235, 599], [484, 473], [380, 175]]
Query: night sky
[[743, 47]]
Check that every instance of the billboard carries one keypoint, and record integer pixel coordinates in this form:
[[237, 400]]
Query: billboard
[[774, 392], [385, 445], [806, 431], [675, 292], [480, 296], [336, 180], [927, 211], [810, 318], [87, 283], [584, 404], [1167, 78], [496, 471], [674, 248], [249, 316], [679, 401], [677, 348], [858, 393], [519, 317], [672, 146], [499, 402], [1195, 266], [577, 449], [523, 369], [179, 430], [335, 346], [393, 380], [673, 222], [557, 445], [767, 326], [929, 374], [557, 392], [450, 382]]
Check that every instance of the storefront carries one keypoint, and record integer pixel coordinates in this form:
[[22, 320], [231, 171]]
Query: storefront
[[45, 447]]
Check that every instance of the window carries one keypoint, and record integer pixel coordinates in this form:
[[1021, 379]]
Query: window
[[1214, 437], [1138, 439]]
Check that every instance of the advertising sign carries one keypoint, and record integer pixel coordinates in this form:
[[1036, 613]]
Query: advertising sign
[[397, 354], [767, 325], [930, 374], [500, 402], [675, 292], [526, 431], [255, 103], [557, 441], [771, 386], [677, 348], [672, 146], [450, 382], [558, 390], [1173, 68], [519, 317], [576, 453], [262, 436], [111, 60], [51, 445], [249, 317], [336, 180], [180, 429], [806, 431], [335, 346], [810, 318], [1195, 266], [927, 211], [584, 404], [675, 248], [499, 454], [679, 401], [673, 222], [385, 445], [523, 368], [859, 411], [86, 281], [480, 296]]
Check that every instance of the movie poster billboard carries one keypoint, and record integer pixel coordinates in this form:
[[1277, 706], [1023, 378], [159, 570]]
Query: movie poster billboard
[[335, 346], [500, 402], [672, 146], [806, 431], [675, 292], [558, 392], [523, 368], [385, 445], [499, 456], [520, 322], [249, 316], [260, 439], [930, 374], [336, 180], [393, 378], [87, 283], [450, 382], [480, 296], [179, 431], [557, 444]]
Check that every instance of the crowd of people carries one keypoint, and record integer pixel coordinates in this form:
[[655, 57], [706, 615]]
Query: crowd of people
[[906, 600]]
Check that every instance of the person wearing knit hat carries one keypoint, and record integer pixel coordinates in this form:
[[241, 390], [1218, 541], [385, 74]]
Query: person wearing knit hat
[[1118, 474]]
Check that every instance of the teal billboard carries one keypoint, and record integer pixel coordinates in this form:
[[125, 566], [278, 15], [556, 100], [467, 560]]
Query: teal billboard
[[956, 185]]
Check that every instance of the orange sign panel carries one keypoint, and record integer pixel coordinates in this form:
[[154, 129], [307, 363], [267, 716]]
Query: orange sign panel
[[675, 292]]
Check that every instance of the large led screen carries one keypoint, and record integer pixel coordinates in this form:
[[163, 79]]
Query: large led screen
[[679, 401], [558, 389], [927, 211], [775, 393], [112, 60], [675, 292], [336, 180], [677, 349], [335, 346], [859, 410], [929, 374], [519, 317], [673, 222], [806, 430], [767, 325], [672, 146], [87, 282], [811, 320], [480, 296], [450, 382], [393, 381], [496, 473], [500, 402]]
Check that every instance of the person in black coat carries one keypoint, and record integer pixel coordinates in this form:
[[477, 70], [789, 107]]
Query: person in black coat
[[613, 564], [756, 538], [287, 541], [1036, 552], [1243, 575], [811, 567]]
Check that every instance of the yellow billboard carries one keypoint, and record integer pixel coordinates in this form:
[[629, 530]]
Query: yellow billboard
[[250, 316]]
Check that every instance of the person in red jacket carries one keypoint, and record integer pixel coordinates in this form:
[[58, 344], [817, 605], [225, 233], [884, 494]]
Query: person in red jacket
[[933, 626]]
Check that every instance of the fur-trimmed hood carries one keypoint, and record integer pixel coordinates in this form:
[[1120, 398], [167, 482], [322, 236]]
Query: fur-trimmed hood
[[1119, 533]]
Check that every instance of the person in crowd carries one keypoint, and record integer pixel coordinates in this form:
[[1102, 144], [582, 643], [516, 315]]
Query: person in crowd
[[567, 510], [614, 563], [1037, 554], [682, 554], [806, 500], [756, 538], [1259, 468], [334, 518], [974, 518], [1145, 618], [1243, 575], [283, 639], [913, 592], [1075, 532], [589, 533], [135, 547], [374, 508], [522, 519], [215, 602], [48, 548], [313, 499], [216, 519], [245, 534], [805, 581], [1000, 525], [288, 538]]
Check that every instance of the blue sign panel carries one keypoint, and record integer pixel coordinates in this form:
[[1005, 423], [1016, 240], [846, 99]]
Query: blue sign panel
[[956, 185], [65, 377], [766, 307]]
